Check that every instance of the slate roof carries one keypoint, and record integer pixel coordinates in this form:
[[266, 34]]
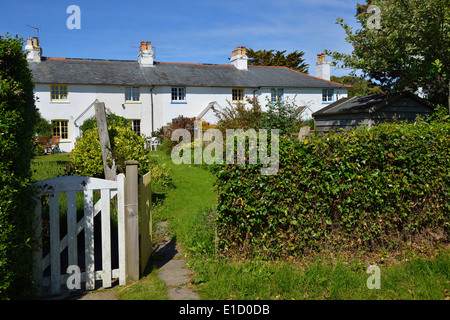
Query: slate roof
[[366, 104], [123, 72]]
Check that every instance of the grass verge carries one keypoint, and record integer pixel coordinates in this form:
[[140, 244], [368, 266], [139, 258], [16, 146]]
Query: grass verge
[[326, 276], [188, 209]]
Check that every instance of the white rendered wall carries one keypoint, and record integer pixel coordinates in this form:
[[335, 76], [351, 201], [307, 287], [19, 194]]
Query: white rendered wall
[[79, 98], [164, 110]]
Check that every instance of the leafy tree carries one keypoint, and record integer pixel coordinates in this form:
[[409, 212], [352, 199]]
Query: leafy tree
[[43, 127], [410, 49], [293, 60], [360, 86]]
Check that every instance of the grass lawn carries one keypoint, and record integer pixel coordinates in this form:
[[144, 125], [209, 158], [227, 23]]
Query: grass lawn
[[48, 166], [187, 208]]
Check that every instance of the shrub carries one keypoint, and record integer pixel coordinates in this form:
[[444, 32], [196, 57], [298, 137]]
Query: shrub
[[125, 145], [43, 127], [112, 120], [240, 116], [282, 115], [181, 122], [364, 189], [18, 117], [87, 155]]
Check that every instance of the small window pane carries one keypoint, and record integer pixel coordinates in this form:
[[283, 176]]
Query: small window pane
[[276, 95], [137, 126], [63, 92], [55, 92], [174, 94], [127, 94], [327, 95], [178, 94], [273, 95], [237, 95], [135, 93]]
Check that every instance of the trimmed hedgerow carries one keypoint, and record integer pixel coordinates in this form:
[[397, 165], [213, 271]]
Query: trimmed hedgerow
[[362, 189], [18, 117]]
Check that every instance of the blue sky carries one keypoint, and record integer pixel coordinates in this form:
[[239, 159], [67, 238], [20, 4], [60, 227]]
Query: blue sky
[[182, 31]]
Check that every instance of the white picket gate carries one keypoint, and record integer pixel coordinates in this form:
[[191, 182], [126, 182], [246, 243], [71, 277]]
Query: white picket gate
[[71, 185]]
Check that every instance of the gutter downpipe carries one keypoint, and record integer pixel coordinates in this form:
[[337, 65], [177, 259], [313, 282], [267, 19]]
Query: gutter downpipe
[[151, 99], [254, 91]]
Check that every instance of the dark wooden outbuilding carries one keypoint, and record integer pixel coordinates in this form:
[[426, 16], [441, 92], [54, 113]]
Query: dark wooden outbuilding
[[350, 113]]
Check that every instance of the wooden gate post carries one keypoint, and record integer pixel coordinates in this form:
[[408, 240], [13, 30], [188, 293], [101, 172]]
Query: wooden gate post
[[131, 222], [145, 204], [303, 132], [100, 115]]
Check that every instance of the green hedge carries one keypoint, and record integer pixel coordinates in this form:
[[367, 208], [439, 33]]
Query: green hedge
[[363, 189], [18, 117]]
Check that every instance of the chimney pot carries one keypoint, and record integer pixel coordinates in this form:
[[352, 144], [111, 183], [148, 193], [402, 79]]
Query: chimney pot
[[34, 51], [145, 56], [239, 59], [322, 67]]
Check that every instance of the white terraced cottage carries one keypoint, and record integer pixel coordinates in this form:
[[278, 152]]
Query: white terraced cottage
[[152, 93]]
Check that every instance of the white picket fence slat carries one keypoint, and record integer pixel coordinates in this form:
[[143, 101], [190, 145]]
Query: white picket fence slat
[[106, 239], [71, 185], [71, 228]]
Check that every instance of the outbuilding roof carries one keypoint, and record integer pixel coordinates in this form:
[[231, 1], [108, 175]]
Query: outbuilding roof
[[367, 104], [130, 73]]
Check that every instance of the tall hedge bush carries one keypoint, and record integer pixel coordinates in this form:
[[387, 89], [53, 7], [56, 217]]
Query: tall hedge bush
[[18, 117], [365, 189]]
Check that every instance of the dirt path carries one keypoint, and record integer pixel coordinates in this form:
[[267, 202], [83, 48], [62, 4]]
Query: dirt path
[[171, 265]]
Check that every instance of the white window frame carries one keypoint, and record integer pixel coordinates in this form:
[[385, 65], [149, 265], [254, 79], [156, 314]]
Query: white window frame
[[327, 95], [178, 94], [276, 95], [134, 94]]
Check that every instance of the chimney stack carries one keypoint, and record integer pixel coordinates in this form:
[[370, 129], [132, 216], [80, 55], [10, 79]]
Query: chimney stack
[[323, 67], [145, 56], [34, 51], [239, 58]]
